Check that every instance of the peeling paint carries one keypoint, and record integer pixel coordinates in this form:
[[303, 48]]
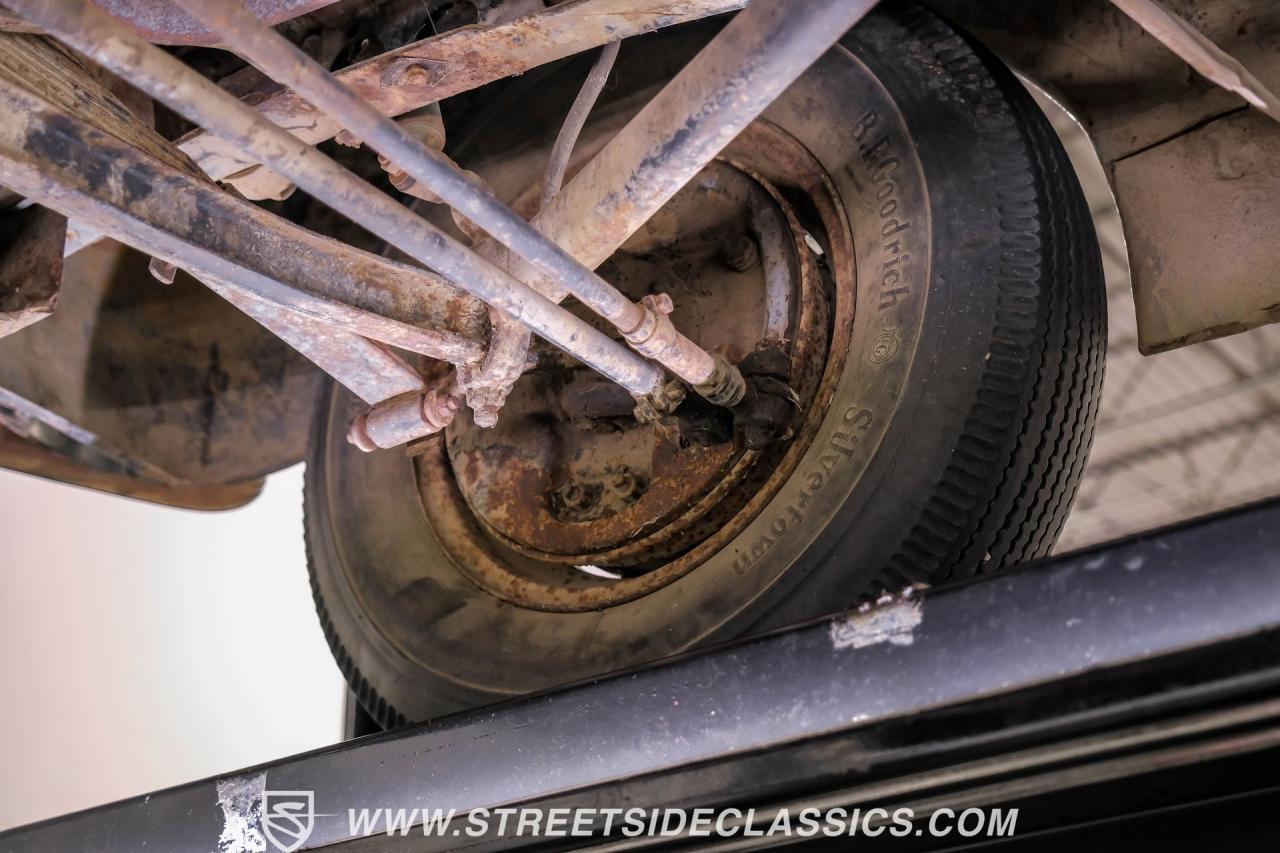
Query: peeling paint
[[892, 619], [241, 801]]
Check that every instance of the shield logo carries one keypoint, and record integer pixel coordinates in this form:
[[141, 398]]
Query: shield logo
[[288, 818]]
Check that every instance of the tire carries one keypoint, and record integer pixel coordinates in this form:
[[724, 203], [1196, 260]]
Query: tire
[[952, 441]]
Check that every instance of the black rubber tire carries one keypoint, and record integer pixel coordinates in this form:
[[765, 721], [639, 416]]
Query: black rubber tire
[[953, 445]]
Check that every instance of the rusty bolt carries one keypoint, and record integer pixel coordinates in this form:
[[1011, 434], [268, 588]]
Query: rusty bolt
[[427, 125], [628, 486], [438, 409], [575, 501], [660, 302], [413, 71], [416, 75], [659, 403], [576, 497], [485, 404], [740, 253]]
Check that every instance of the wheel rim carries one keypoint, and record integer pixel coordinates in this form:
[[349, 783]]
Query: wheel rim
[[533, 510]]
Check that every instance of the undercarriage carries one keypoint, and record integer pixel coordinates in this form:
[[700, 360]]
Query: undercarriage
[[609, 329]]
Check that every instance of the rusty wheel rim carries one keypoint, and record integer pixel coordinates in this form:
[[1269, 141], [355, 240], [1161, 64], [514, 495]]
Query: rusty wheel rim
[[532, 513]]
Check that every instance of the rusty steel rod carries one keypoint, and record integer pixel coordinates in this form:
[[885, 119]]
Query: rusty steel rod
[[409, 417], [724, 88], [90, 31], [70, 166], [409, 77], [710, 101], [290, 66], [90, 177], [571, 129], [158, 21], [1198, 51], [371, 371]]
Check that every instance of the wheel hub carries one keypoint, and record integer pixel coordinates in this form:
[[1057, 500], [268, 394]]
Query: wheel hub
[[567, 486], [569, 482]]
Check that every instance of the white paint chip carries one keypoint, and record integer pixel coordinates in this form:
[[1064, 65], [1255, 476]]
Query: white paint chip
[[241, 800], [891, 620]]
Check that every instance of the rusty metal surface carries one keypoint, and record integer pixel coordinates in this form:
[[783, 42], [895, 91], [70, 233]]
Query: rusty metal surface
[[752, 60], [622, 475], [372, 371], [406, 418], [645, 326], [11, 23], [166, 78], [173, 380], [31, 243], [536, 477], [1201, 215], [1201, 53], [136, 192], [95, 179], [456, 61], [163, 22], [39, 65], [28, 457], [730, 82], [1130, 91]]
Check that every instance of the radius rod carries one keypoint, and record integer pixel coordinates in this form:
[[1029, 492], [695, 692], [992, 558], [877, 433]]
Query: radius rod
[[640, 325], [87, 29], [762, 50], [95, 34], [731, 81]]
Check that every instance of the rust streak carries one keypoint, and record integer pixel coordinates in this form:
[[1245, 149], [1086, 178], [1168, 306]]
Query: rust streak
[[462, 59]]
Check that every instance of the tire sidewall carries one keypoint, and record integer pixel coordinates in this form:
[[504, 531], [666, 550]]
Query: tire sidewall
[[896, 137]]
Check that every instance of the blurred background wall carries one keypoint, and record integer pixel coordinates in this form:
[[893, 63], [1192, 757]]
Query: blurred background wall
[[143, 646]]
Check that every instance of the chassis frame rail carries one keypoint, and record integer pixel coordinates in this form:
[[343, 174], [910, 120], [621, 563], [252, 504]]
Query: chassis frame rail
[[1152, 655]]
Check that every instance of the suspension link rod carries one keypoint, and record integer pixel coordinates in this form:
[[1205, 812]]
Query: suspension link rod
[[67, 165], [70, 166], [290, 66], [368, 369], [1198, 50], [454, 61], [90, 31], [731, 81], [724, 88]]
